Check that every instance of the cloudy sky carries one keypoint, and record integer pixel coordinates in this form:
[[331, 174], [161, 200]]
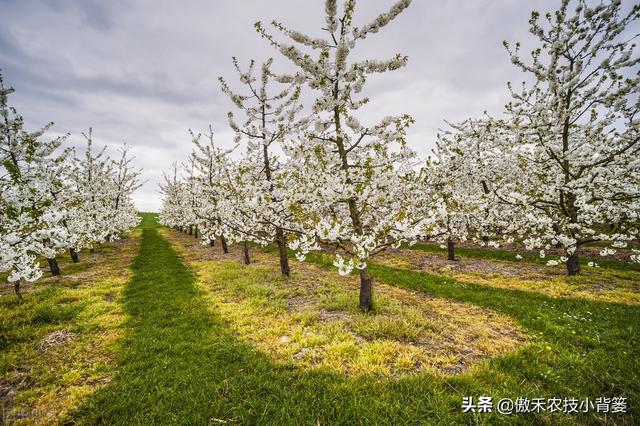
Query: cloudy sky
[[145, 71]]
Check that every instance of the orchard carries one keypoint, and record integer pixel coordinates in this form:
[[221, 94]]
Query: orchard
[[560, 169], [309, 261]]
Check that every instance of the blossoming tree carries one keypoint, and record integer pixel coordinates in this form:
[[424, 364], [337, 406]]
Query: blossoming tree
[[353, 177], [30, 223], [51, 202], [455, 186], [172, 206], [576, 131], [218, 210], [269, 107], [102, 187]]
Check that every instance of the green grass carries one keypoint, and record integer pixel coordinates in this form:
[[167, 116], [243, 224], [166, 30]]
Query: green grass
[[180, 362], [582, 348], [57, 343], [527, 256], [310, 318], [599, 284], [56, 314]]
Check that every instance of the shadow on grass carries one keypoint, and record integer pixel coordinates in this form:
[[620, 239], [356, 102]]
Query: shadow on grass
[[594, 346], [180, 364]]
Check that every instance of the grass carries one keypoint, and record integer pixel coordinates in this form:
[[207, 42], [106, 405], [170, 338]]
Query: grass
[[58, 344], [310, 318], [188, 350], [612, 285], [586, 348], [527, 256], [581, 348], [181, 364]]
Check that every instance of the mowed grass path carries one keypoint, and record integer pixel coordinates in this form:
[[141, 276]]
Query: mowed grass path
[[181, 364]]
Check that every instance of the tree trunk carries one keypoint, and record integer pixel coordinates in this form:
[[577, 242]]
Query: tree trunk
[[74, 255], [280, 238], [282, 250], [212, 243], [196, 232], [16, 288], [573, 264], [223, 241], [246, 260], [366, 290], [451, 249], [53, 266], [190, 229], [366, 285]]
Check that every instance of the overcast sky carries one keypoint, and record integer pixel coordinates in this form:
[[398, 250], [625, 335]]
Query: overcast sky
[[145, 71]]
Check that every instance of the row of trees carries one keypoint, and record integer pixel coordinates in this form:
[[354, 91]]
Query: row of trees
[[558, 170], [52, 200]]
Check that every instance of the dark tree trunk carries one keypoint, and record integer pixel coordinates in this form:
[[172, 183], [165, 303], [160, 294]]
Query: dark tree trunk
[[212, 243], [366, 291], [282, 250], [280, 238], [451, 249], [223, 241], [53, 266], [16, 288], [190, 229], [196, 232], [74, 255], [246, 260], [573, 264]]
